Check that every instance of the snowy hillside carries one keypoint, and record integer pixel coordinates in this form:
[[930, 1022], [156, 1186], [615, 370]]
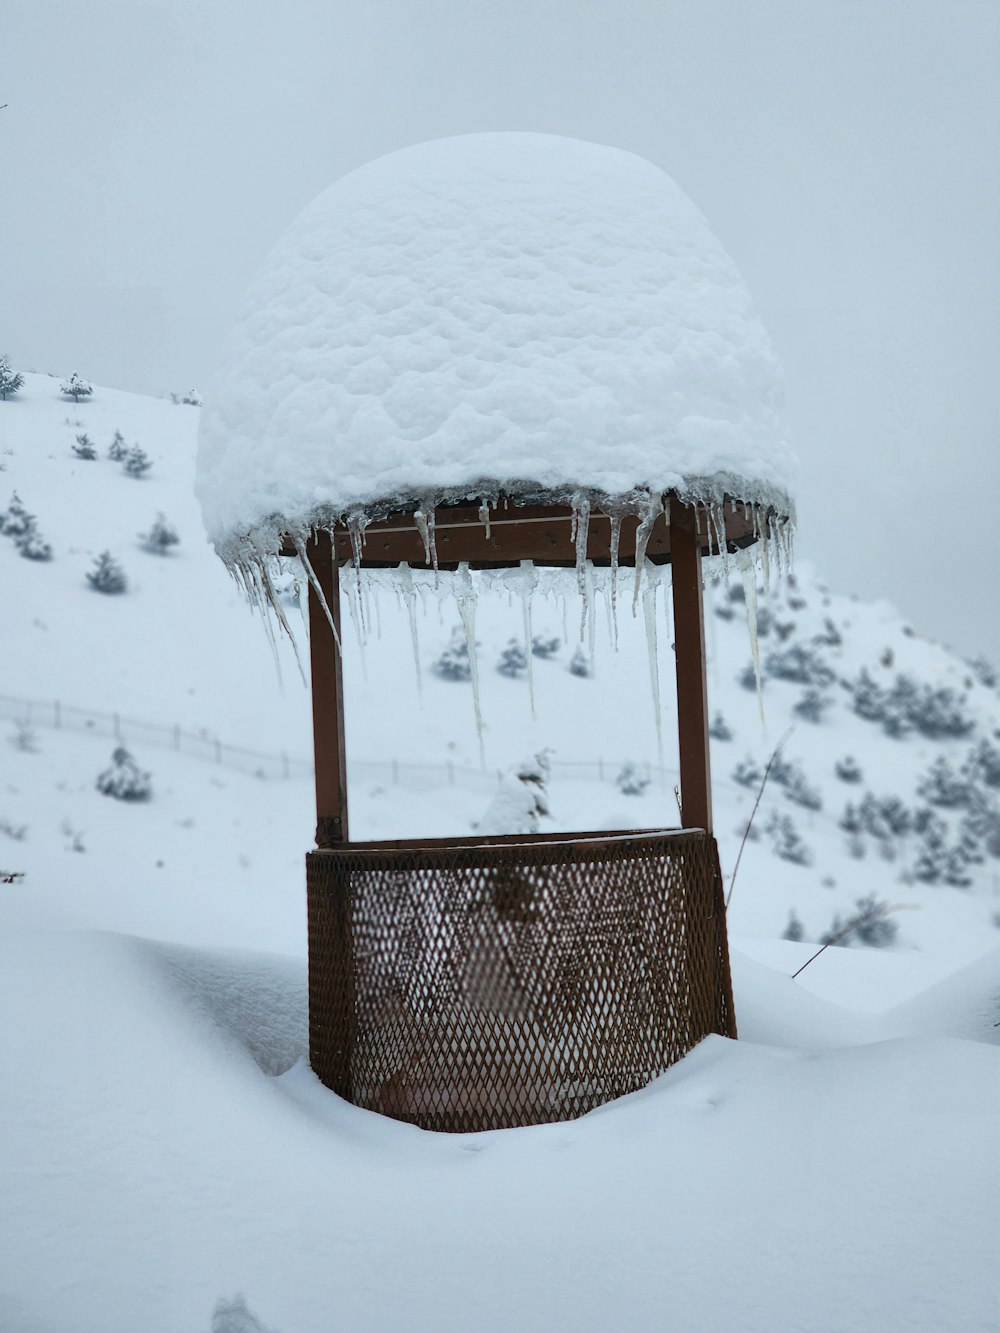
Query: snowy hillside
[[177, 666], [166, 1146]]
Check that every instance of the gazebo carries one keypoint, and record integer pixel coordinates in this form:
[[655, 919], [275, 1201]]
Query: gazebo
[[472, 354]]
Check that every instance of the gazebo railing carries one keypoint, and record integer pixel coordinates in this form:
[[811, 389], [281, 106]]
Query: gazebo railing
[[467, 986]]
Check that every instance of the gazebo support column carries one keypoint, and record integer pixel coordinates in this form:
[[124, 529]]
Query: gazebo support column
[[327, 698], [689, 653]]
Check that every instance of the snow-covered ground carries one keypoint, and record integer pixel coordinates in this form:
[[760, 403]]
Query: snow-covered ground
[[166, 1147]]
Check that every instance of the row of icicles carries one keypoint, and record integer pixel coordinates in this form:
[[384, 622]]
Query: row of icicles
[[771, 551]]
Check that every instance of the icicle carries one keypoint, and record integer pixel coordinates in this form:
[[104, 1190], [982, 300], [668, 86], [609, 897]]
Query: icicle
[[588, 607], [484, 516], [579, 531], [424, 520], [749, 574], [404, 586], [642, 533], [649, 616], [616, 532], [529, 582], [465, 598], [300, 547], [718, 519]]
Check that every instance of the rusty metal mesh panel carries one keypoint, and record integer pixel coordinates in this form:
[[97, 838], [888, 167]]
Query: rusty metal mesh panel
[[479, 987]]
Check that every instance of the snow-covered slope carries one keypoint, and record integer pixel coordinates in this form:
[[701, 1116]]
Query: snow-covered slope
[[165, 1145]]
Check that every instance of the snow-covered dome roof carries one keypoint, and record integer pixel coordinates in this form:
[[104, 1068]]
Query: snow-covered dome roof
[[497, 312]]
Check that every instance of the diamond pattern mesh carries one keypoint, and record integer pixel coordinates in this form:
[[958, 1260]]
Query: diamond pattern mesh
[[464, 987]]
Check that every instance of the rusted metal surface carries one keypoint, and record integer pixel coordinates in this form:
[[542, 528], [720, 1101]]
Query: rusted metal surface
[[542, 533], [479, 987], [689, 656], [327, 698]]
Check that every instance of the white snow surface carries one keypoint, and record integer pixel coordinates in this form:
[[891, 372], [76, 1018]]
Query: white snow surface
[[496, 311]]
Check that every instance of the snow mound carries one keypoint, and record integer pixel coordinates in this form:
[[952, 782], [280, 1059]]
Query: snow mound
[[516, 312]]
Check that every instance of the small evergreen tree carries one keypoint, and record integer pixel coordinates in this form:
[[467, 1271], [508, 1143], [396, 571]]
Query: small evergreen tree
[[136, 462], [107, 575], [512, 661], [847, 769], [719, 729], [16, 522], [117, 448], [630, 782], [579, 664], [942, 786], [812, 706], [787, 844], [10, 380], [160, 537], [76, 387], [33, 546], [454, 664], [543, 646], [124, 780], [794, 931], [522, 799], [84, 448], [748, 773]]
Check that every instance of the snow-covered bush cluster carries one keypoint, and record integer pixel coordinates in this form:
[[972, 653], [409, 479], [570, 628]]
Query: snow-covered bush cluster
[[124, 779], [22, 529]]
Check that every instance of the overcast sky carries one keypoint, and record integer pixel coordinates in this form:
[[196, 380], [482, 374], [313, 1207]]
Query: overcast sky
[[847, 153]]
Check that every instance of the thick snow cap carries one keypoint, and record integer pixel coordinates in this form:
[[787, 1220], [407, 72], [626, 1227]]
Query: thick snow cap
[[515, 313]]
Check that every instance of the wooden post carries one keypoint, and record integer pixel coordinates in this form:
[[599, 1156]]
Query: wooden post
[[689, 652], [327, 698]]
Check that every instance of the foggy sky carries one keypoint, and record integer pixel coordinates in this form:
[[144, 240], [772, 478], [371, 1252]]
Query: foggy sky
[[846, 152]]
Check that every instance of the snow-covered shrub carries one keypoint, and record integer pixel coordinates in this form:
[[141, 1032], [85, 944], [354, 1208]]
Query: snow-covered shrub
[[794, 931], [16, 832], [33, 546], [192, 398], [868, 698], [984, 671], [983, 764], [932, 852], [124, 780], [15, 521], [512, 661], [905, 706], [830, 636], [941, 713], [160, 537], [84, 448], [136, 462], [454, 664], [719, 729], [786, 841], [76, 387], [847, 769], [748, 773], [579, 664], [748, 678], [521, 800], [799, 790], [885, 816], [800, 664], [870, 926], [542, 645], [10, 380], [630, 782], [233, 1316], [812, 705], [942, 786], [117, 449], [23, 737], [107, 574]]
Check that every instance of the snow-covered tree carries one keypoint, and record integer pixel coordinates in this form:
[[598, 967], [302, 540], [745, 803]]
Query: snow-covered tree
[[983, 764], [748, 773], [512, 661], [10, 380], [107, 574], [454, 664], [76, 387], [942, 786], [719, 729], [800, 664], [136, 462], [786, 841], [124, 780], [160, 537], [522, 799], [543, 645], [847, 769], [117, 448], [794, 931], [579, 664], [15, 521], [33, 546], [84, 447], [233, 1316], [812, 705], [869, 926], [630, 782]]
